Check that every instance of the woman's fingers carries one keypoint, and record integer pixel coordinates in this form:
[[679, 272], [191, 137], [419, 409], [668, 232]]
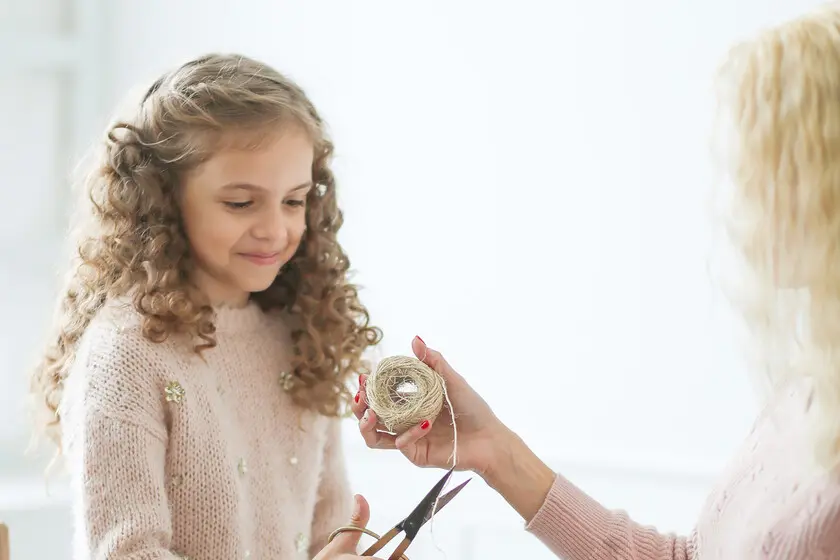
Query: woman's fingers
[[412, 435], [373, 437], [418, 346], [359, 404]]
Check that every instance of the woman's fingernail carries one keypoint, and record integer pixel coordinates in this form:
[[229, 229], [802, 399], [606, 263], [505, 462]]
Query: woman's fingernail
[[420, 339], [424, 425], [356, 398]]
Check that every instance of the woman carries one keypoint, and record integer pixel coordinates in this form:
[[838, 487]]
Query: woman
[[781, 498]]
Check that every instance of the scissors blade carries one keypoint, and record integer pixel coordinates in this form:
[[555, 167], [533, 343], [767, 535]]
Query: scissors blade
[[445, 499], [411, 524]]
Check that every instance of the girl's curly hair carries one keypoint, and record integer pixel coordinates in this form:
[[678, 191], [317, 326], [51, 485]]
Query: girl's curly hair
[[132, 243]]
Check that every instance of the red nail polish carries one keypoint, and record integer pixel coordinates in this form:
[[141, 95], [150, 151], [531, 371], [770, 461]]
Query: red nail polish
[[424, 425], [356, 398], [420, 339]]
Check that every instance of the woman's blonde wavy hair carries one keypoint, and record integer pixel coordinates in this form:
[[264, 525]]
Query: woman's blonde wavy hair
[[132, 243], [780, 115]]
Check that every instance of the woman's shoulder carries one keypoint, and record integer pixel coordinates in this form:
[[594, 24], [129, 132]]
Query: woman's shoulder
[[806, 519]]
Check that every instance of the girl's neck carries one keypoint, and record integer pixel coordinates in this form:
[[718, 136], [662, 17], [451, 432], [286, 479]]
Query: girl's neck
[[240, 318], [233, 308], [220, 294]]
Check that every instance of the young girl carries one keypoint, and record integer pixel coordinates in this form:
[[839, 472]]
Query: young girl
[[780, 498], [197, 372]]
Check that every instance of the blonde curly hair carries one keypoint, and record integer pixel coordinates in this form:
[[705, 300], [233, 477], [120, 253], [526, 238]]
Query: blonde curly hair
[[132, 243], [780, 109]]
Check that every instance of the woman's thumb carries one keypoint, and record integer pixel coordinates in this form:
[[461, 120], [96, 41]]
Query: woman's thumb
[[348, 541]]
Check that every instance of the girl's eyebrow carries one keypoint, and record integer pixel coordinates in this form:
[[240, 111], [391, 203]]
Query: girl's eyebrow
[[243, 186], [253, 187]]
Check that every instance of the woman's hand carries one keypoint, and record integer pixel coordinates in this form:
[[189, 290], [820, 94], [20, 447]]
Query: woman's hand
[[344, 545], [481, 436], [485, 445]]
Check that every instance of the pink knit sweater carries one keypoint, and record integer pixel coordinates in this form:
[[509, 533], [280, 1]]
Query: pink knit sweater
[[770, 505], [172, 456]]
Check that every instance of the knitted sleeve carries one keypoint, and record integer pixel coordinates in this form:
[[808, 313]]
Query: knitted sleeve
[[115, 440], [576, 527], [335, 500]]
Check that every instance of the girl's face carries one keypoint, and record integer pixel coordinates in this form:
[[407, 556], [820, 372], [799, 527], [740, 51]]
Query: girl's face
[[244, 213]]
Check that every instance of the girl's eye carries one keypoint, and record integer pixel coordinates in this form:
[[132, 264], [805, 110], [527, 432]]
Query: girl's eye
[[239, 205], [296, 203]]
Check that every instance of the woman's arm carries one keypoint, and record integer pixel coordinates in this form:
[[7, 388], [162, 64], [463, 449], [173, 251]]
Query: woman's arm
[[519, 476], [572, 524], [568, 521]]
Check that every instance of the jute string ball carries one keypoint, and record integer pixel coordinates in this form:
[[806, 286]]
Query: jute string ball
[[403, 391]]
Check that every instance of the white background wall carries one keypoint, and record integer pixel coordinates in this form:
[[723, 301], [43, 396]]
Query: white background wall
[[524, 187]]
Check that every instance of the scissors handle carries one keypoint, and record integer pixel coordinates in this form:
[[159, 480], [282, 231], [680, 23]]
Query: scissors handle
[[398, 552], [368, 532], [381, 542]]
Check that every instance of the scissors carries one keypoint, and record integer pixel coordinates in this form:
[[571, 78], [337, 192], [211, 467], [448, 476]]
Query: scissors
[[428, 506]]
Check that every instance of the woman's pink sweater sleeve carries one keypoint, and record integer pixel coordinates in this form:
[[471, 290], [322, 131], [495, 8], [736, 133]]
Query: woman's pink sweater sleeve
[[576, 527]]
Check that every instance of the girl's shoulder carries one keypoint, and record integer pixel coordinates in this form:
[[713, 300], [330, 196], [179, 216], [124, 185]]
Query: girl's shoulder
[[114, 346], [118, 328], [116, 370]]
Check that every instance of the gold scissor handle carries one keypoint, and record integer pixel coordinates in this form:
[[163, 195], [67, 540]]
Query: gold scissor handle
[[352, 529]]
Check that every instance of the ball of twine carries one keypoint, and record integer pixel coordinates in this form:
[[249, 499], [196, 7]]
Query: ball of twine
[[403, 391]]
